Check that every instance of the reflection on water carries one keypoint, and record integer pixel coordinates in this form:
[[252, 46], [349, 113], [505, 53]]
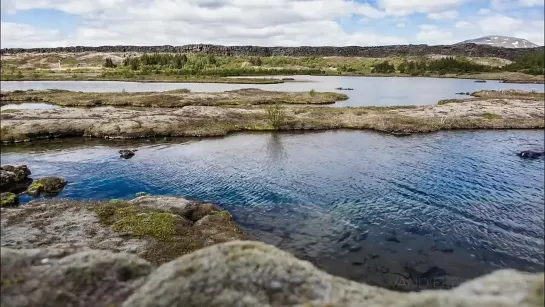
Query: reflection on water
[[402, 213], [368, 91]]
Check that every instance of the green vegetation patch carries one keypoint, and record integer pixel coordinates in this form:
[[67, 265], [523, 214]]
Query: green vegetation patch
[[8, 111], [488, 115], [170, 235], [160, 225], [8, 199]]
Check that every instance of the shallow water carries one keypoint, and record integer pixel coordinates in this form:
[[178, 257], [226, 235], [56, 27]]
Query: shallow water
[[368, 91], [28, 106], [400, 212]]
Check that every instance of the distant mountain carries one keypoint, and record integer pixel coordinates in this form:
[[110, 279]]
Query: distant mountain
[[501, 41]]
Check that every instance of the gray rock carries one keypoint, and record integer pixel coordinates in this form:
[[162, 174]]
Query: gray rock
[[20, 172], [48, 185], [127, 153], [238, 273], [13, 175], [54, 277], [255, 274], [188, 209]]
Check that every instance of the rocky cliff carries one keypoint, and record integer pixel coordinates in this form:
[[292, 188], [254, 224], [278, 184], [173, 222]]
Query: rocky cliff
[[472, 50]]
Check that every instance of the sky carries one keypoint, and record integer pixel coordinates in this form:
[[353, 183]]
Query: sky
[[59, 23]]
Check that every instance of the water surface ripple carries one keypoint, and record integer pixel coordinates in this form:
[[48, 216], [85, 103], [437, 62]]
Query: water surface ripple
[[387, 210]]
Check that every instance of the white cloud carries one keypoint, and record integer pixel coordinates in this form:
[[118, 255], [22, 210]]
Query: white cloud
[[406, 7], [401, 25], [533, 32], [463, 25], [484, 11], [446, 15], [229, 22], [432, 35], [21, 35], [499, 24], [513, 4]]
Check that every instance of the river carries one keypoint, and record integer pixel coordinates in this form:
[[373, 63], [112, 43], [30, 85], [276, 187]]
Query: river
[[398, 212]]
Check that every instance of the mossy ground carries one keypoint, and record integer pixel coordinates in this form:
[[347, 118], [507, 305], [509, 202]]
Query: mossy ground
[[171, 99], [170, 235]]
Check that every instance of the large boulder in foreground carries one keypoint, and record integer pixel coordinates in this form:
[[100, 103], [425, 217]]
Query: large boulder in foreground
[[65, 277], [238, 273], [158, 229]]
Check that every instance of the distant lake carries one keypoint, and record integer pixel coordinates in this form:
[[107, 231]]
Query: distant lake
[[396, 212], [368, 91]]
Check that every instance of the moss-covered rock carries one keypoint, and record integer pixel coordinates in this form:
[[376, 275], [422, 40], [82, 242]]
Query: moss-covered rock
[[47, 185], [8, 199], [170, 224]]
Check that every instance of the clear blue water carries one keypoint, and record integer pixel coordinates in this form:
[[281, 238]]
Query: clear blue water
[[393, 211], [368, 91]]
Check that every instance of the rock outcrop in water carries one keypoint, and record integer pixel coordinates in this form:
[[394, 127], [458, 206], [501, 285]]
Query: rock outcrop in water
[[14, 177], [50, 186], [472, 50], [239, 273], [127, 153], [532, 154]]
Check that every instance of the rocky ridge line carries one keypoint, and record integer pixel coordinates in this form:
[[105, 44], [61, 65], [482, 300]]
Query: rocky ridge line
[[473, 50]]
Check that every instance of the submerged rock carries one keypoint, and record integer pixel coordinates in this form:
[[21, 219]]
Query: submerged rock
[[8, 199], [50, 186], [12, 176], [127, 153], [531, 154]]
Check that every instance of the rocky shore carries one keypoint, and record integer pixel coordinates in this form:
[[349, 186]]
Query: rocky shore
[[472, 50], [238, 273], [170, 251], [158, 229], [495, 111]]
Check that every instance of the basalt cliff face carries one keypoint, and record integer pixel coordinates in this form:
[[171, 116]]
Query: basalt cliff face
[[472, 50]]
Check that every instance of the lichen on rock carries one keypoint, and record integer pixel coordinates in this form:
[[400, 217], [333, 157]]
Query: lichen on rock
[[8, 199]]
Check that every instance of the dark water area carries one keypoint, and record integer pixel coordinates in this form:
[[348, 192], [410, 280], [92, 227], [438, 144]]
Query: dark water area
[[367, 91], [409, 213]]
